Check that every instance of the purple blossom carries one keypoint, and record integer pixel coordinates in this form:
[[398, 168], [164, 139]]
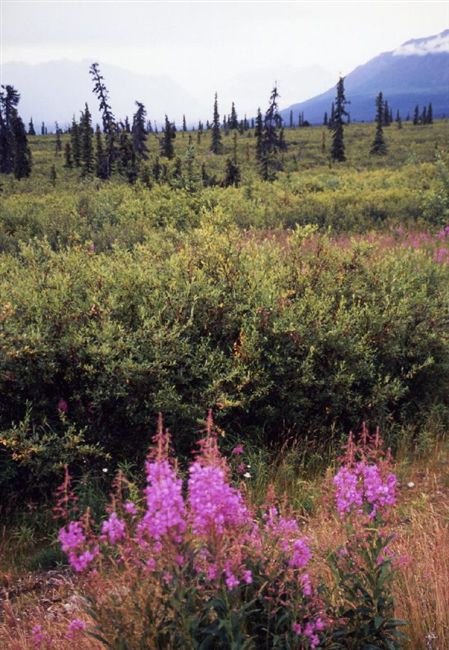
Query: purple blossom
[[80, 562], [72, 536], [238, 450], [74, 627], [113, 529], [364, 484], [165, 513], [214, 504]]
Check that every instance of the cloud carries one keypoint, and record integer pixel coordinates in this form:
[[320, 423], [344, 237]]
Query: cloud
[[432, 45]]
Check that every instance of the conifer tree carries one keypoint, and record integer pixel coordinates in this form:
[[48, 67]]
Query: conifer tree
[[58, 142], [325, 119], [31, 129], [87, 154], [291, 119], [43, 129], [68, 162], [101, 170], [21, 151], [430, 114], [258, 134], [232, 170], [386, 114], [416, 115], [216, 144], [167, 149], [332, 117], [424, 115], [233, 122], [9, 100], [126, 158], [139, 136], [109, 122], [398, 120], [378, 146], [75, 142], [338, 145], [272, 139], [157, 169], [184, 124]]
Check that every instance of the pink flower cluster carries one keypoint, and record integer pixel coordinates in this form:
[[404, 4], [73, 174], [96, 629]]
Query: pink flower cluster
[[363, 484], [214, 505], [113, 529], [165, 513], [73, 541], [309, 630]]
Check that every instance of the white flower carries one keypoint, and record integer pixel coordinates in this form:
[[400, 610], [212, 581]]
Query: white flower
[[247, 475], [105, 470], [410, 484]]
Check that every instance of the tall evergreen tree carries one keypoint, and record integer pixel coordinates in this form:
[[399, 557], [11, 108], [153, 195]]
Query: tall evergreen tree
[[75, 142], [232, 170], [139, 136], [9, 100], [21, 151], [31, 129], [109, 121], [416, 115], [430, 114], [386, 114], [398, 120], [233, 122], [58, 142], [378, 146], [86, 147], [338, 145], [216, 145], [126, 158], [169, 135], [325, 120], [258, 134], [101, 164], [43, 129], [291, 119], [332, 117], [424, 115], [272, 139], [184, 124]]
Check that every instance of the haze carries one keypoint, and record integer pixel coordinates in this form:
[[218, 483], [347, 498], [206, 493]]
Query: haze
[[236, 48]]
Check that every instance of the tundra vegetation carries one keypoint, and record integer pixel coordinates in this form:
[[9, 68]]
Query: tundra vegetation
[[243, 270]]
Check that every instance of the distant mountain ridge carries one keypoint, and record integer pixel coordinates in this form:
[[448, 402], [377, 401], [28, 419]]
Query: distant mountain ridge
[[415, 73]]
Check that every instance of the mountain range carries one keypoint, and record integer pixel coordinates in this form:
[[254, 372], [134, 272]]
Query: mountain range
[[417, 72]]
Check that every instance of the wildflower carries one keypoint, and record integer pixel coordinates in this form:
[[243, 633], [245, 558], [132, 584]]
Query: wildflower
[[105, 470], [247, 475], [165, 513], [297, 628], [410, 484], [80, 562], [63, 407], [74, 627], [113, 528], [130, 508], [72, 536], [237, 450], [214, 504]]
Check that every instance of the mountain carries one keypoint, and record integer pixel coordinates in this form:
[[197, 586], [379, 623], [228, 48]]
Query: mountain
[[53, 91], [415, 73]]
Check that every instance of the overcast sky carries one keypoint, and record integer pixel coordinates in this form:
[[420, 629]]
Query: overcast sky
[[204, 45]]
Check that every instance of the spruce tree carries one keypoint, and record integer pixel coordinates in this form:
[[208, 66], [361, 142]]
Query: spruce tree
[[325, 120], [216, 144], [378, 146], [167, 149], [232, 170], [332, 117], [430, 114], [338, 145], [398, 120], [58, 142], [21, 151], [258, 134], [272, 139], [31, 129], [416, 115], [43, 129], [109, 122], [184, 124], [86, 148], [126, 158], [386, 114], [139, 136], [424, 115], [291, 119], [9, 100], [75, 143], [101, 170], [233, 119]]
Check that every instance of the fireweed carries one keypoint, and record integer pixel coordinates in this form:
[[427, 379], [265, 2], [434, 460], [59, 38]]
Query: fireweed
[[192, 564], [365, 493]]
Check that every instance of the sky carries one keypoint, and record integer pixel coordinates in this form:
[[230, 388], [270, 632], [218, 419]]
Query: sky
[[213, 45]]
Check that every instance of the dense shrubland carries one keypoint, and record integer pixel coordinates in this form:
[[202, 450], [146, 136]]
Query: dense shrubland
[[290, 338]]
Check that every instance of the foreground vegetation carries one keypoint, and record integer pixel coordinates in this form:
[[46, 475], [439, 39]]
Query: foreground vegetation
[[295, 310]]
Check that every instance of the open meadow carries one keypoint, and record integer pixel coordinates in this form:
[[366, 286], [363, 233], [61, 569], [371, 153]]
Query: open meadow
[[293, 311]]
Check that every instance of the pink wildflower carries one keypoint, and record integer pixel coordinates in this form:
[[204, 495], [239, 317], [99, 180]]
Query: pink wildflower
[[74, 627], [113, 528], [63, 407], [214, 504], [237, 450], [72, 536], [130, 508]]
